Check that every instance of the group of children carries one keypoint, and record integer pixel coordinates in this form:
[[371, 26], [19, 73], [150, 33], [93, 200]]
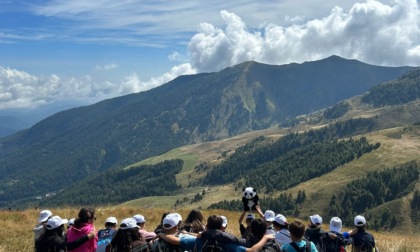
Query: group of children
[[269, 232]]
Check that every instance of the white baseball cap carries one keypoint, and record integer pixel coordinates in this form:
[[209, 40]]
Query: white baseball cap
[[316, 219], [170, 221], [177, 216], [280, 219], [269, 215], [55, 222], [336, 224], [139, 218], [44, 215], [71, 221], [359, 221], [128, 223], [112, 220], [225, 222]]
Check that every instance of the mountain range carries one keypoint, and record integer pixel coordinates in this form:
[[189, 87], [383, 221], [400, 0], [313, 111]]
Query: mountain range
[[76, 144]]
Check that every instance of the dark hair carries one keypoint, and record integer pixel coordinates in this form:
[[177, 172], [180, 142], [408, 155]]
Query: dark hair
[[46, 236], [277, 225], [85, 214], [258, 227], [163, 217], [297, 228], [194, 222], [124, 237], [214, 222]]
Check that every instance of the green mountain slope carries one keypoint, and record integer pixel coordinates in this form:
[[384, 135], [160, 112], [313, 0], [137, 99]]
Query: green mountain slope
[[78, 143]]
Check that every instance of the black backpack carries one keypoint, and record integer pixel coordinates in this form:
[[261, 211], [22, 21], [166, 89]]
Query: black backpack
[[211, 245], [271, 246], [317, 239], [333, 245], [306, 248]]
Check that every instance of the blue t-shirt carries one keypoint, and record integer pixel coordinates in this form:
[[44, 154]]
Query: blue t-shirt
[[189, 243], [286, 247]]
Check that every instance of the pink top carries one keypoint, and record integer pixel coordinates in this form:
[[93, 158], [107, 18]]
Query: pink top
[[146, 235], [75, 233]]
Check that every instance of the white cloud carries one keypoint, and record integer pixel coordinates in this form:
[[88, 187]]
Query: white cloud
[[107, 67], [19, 89], [371, 31]]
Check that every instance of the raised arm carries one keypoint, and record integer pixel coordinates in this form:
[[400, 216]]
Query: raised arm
[[257, 207], [241, 218]]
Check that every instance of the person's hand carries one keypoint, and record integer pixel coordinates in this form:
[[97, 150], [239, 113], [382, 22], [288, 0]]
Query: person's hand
[[332, 235], [268, 237], [91, 234]]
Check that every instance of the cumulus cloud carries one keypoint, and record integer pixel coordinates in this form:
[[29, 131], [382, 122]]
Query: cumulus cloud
[[19, 89], [372, 32]]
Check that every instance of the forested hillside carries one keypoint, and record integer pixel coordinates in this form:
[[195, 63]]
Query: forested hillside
[[402, 90], [375, 189], [299, 156], [118, 186]]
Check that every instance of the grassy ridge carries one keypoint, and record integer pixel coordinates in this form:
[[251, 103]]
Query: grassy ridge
[[16, 232]]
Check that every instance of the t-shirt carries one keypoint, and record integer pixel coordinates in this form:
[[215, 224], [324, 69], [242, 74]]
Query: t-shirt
[[270, 230], [286, 247], [283, 236], [363, 239]]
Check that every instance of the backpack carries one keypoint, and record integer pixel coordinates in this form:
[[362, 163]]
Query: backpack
[[271, 246], [139, 246], [163, 246], [104, 238], [333, 245], [306, 248], [211, 245], [317, 239]]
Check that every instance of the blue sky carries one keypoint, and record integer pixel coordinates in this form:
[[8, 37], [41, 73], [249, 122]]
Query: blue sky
[[83, 51]]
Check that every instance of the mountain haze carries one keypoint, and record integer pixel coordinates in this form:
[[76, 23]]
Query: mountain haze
[[77, 143]]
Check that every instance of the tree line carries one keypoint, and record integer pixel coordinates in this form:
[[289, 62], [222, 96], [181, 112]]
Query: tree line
[[377, 188], [293, 158], [117, 186]]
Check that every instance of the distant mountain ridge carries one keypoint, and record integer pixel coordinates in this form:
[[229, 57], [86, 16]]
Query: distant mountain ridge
[[76, 143]]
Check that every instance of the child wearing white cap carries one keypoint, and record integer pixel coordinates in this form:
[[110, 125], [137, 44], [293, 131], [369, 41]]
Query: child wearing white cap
[[141, 222], [128, 238], [42, 222], [362, 240], [246, 231], [314, 232], [53, 238], [281, 227], [335, 241], [106, 235]]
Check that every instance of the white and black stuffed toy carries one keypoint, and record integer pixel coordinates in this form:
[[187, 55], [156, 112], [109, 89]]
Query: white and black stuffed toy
[[250, 198]]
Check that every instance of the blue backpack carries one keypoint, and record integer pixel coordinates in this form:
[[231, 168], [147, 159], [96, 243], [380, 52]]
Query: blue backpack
[[104, 238]]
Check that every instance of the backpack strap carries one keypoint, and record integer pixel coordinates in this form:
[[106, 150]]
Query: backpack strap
[[296, 247], [308, 246]]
